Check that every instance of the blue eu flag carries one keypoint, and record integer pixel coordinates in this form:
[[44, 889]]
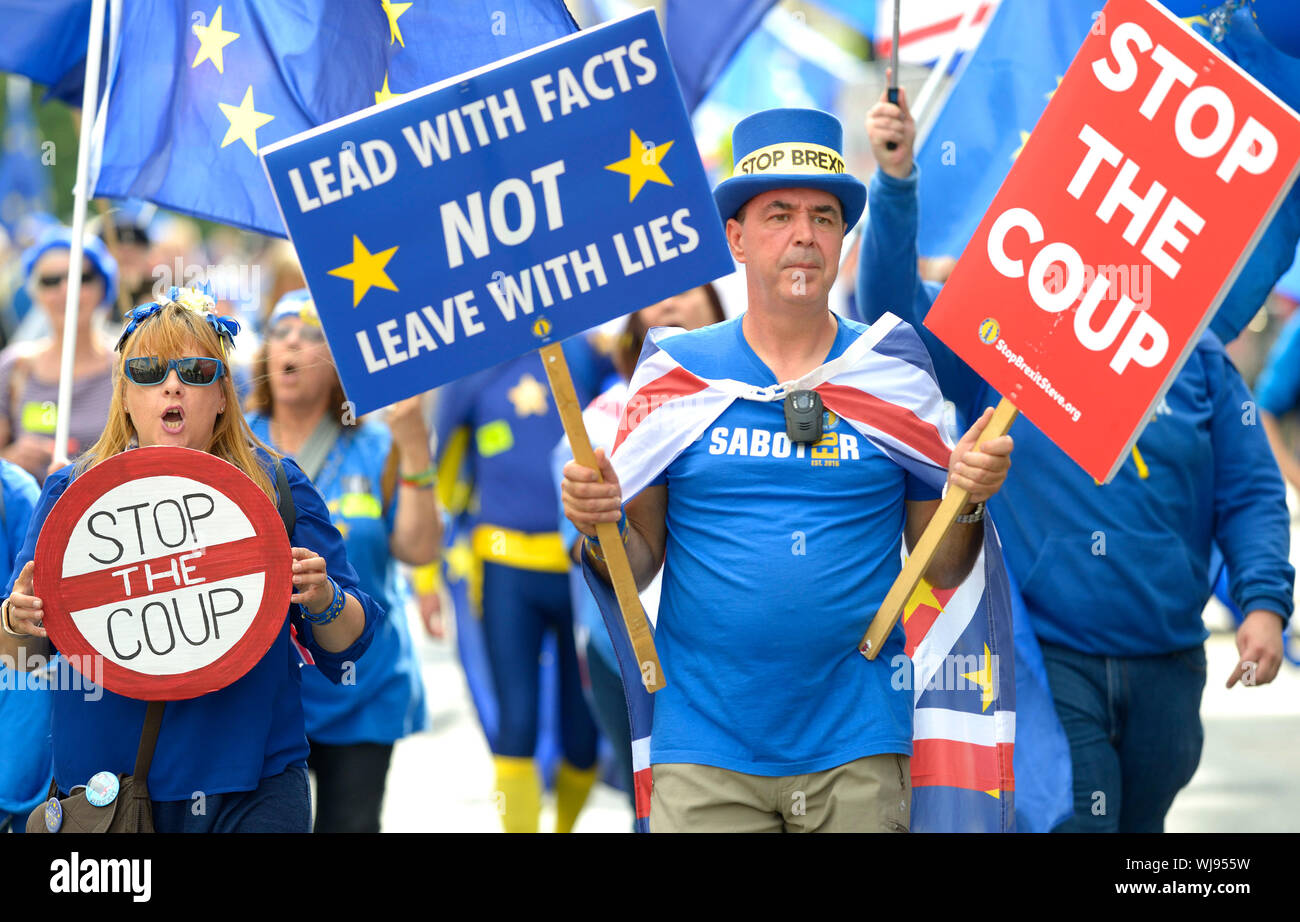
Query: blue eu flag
[[198, 87]]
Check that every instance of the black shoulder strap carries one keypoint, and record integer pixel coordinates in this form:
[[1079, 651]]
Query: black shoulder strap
[[284, 500]]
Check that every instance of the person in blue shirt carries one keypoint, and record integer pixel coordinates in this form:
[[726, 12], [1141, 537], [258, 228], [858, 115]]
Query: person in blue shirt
[[24, 701], [243, 747], [770, 719], [1114, 577], [501, 424], [378, 484]]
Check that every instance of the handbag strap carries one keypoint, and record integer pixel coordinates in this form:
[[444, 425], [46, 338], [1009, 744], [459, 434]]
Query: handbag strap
[[148, 740], [313, 453]]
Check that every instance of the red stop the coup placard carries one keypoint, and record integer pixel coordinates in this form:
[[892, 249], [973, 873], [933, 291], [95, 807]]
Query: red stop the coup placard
[[170, 566]]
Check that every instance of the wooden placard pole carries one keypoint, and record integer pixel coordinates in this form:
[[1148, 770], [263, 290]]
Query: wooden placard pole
[[919, 560], [611, 544]]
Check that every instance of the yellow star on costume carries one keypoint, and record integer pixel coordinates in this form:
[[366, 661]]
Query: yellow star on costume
[[213, 38], [385, 94], [923, 594], [1024, 139], [366, 270], [642, 165], [984, 679], [244, 121], [460, 560], [394, 12], [994, 793], [528, 396]]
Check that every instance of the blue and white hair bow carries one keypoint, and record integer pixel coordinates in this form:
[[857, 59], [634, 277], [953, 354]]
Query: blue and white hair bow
[[198, 300]]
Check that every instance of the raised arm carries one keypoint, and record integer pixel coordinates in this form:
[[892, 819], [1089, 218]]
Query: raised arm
[[888, 278]]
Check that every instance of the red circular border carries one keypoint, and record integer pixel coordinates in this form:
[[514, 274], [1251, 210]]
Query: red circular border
[[212, 472]]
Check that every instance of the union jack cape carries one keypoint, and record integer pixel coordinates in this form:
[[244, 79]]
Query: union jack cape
[[960, 640]]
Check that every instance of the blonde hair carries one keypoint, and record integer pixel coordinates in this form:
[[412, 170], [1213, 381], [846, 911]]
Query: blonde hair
[[174, 332]]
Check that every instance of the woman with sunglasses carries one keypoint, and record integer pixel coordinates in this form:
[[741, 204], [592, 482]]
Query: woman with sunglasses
[[295, 406], [29, 371], [243, 748]]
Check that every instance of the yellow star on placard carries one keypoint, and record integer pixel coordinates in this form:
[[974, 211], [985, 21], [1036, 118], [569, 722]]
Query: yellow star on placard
[[642, 165], [528, 396], [366, 270], [984, 679], [1024, 138], [923, 594], [244, 121], [394, 12], [213, 38], [385, 94]]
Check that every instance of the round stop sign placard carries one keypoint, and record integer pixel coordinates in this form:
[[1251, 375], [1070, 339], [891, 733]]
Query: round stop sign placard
[[170, 566]]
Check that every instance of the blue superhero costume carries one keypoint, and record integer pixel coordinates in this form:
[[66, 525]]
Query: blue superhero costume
[[496, 430]]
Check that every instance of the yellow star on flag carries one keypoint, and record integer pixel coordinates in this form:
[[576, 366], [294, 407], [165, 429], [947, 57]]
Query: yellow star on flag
[[1195, 20], [244, 121], [923, 594], [1024, 138], [385, 94], [984, 679], [1049, 95], [528, 396], [394, 12], [213, 38], [460, 560], [642, 165], [366, 270]]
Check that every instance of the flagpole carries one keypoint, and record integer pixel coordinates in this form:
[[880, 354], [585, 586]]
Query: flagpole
[[931, 86], [620, 569], [89, 95], [919, 560]]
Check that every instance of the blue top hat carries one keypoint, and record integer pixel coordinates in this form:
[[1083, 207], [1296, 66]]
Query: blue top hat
[[788, 149]]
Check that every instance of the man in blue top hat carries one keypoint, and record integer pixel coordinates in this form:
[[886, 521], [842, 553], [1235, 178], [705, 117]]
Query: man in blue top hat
[[780, 541]]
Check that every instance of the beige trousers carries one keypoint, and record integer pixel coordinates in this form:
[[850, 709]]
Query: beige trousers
[[872, 794]]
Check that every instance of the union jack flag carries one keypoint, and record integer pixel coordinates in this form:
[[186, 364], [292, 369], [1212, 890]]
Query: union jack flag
[[927, 30], [960, 640]]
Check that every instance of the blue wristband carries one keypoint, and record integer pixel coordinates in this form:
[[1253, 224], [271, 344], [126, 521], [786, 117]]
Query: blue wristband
[[623, 529], [330, 614]]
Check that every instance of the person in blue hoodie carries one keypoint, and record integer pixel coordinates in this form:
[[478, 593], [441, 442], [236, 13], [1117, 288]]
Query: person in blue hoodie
[[1114, 576]]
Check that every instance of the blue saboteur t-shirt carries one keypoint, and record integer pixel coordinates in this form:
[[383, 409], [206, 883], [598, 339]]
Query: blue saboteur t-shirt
[[778, 556]]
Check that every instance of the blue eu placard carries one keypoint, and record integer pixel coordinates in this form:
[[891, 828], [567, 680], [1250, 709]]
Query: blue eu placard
[[503, 210]]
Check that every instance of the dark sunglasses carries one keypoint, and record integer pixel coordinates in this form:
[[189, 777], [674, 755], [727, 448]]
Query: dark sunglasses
[[149, 370], [50, 281], [306, 332]]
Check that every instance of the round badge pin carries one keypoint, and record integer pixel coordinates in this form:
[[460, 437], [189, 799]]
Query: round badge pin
[[101, 790], [53, 815]]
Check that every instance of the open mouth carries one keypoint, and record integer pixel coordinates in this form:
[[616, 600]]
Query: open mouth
[[173, 420]]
